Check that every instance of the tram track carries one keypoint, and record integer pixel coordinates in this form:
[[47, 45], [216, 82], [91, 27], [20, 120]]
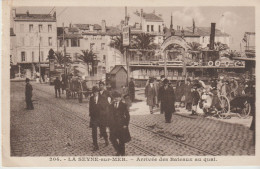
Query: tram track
[[71, 114]]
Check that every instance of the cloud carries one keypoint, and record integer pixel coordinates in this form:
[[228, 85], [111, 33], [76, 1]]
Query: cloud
[[187, 14]]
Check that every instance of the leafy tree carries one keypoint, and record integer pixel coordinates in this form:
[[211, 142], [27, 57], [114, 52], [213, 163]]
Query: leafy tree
[[89, 57], [194, 46], [144, 41], [51, 54], [61, 60], [221, 46], [117, 43]]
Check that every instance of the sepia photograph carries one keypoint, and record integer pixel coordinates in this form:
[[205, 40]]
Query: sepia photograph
[[132, 81]]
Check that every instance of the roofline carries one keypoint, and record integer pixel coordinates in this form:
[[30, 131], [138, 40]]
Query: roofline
[[35, 20]]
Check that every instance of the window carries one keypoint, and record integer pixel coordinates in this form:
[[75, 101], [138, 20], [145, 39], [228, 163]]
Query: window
[[102, 46], [159, 28], [147, 28], [40, 28], [42, 56], [31, 28], [50, 41], [67, 43], [21, 27], [22, 41], [23, 57], [74, 42], [32, 56], [49, 28], [152, 28], [61, 42], [31, 41]]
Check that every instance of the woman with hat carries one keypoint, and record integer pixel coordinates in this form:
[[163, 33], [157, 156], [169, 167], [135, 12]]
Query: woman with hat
[[150, 94]]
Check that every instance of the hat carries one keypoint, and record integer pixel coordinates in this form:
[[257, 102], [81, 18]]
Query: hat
[[95, 89], [27, 80], [151, 80], [165, 81], [116, 94], [100, 82]]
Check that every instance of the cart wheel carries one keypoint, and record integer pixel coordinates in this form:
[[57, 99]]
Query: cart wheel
[[245, 111], [224, 104]]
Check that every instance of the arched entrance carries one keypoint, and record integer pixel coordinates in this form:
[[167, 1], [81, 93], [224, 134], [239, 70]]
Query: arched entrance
[[175, 48]]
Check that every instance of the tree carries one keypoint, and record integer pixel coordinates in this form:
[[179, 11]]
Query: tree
[[194, 46], [144, 41], [51, 54], [89, 57], [61, 60], [117, 43], [221, 46]]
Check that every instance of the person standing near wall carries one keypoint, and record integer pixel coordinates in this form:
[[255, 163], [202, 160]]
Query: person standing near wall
[[28, 95], [150, 94]]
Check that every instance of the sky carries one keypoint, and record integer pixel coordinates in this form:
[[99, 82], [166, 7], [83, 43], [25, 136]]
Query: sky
[[235, 20]]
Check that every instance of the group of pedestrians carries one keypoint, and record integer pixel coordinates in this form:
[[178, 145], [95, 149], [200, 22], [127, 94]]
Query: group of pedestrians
[[108, 111], [160, 93]]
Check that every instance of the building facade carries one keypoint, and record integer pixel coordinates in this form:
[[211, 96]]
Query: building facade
[[35, 34]]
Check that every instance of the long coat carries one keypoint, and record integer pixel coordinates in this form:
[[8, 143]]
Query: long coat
[[132, 90], [168, 99], [94, 112], [179, 92], [120, 118], [28, 91], [104, 108], [187, 93], [57, 84], [150, 93]]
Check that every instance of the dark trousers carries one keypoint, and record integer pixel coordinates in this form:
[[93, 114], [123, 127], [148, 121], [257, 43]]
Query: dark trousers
[[103, 132], [29, 104], [94, 136], [118, 145], [161, 108], [168, 116], [57, 90], [188, 106]]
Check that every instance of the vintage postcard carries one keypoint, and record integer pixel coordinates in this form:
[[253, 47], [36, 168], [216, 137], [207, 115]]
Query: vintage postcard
[[130, 83]]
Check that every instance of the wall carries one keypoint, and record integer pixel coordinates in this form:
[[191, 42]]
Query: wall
[[31, 42]]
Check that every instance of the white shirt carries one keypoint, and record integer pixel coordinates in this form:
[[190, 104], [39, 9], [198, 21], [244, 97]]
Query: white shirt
[[96, 99]]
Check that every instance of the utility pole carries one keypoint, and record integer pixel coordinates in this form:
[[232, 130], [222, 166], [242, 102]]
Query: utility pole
[[40, 58], [126, 57], [63, 41]]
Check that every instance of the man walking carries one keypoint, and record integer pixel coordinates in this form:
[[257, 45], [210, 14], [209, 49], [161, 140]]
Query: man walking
[[28, 95], [188, 95], [150, 94], [57, 85], [105, 117], [160, 93], [168, 100], [119, 132], [94, 114], [132, 89]]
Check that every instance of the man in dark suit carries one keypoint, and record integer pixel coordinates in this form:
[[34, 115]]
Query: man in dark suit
[[168, 100], [28, 95], [57, 85], [104, 102], [94, 114], [132, 89], [119, 132]]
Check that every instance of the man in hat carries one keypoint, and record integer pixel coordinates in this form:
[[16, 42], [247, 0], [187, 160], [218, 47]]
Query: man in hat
[[160, 91], [57, 86], [132, 89], [150, 94], [104, 101], [167, 100], [28, 95], [195, 99], [94, 114], [119, 132], [187, 93]]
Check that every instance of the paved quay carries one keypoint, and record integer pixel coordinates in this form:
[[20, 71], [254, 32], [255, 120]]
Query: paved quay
[[60, 127]]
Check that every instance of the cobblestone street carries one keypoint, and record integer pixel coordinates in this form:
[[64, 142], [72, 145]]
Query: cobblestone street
[[60, 127]]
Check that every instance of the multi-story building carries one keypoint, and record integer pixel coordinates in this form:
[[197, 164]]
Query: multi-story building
[[35, 34], [92, 37]]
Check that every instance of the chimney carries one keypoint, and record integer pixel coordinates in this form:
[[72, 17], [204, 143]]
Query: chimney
[[103, 26], [54, 14], [27, 13], [212, 36], [70, 25], [14, 12]]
